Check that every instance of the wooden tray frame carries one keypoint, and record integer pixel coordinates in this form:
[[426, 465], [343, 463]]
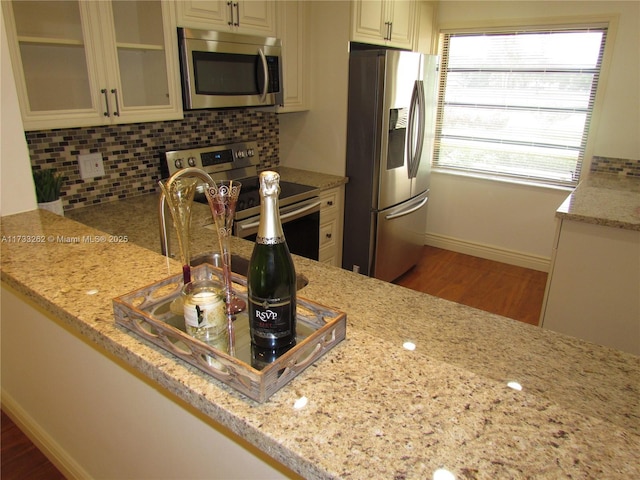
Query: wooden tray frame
[[135, 312]]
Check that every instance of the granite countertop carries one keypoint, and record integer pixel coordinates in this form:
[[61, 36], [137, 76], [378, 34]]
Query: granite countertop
[[602, 199], [373, 405]]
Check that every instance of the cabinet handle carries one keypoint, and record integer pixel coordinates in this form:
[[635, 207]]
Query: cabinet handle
[[116, 113], [330, 203], [328, 235], [390, 29], [107, 113], [230, 5], [237, 22], [388, 35]]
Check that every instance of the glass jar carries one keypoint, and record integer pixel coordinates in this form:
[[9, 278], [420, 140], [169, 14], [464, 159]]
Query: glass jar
[[205, 314]]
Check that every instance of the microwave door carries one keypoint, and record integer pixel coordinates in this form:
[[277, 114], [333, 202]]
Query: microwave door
[[219, 74]]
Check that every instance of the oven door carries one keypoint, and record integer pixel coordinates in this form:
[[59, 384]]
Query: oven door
[[300, 223]]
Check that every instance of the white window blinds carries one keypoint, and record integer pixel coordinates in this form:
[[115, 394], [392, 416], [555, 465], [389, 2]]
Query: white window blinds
[[518, 104]]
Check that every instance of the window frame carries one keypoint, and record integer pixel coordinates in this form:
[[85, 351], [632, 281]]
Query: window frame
[[608, 24]]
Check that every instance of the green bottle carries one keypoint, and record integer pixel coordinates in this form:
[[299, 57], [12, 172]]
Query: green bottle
[[271, 279]]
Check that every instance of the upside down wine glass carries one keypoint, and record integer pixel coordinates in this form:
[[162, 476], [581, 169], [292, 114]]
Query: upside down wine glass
[[222, 196]]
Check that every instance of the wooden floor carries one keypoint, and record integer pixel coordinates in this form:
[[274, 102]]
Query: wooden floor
[[507, 290], [495, 287], [21, 460]]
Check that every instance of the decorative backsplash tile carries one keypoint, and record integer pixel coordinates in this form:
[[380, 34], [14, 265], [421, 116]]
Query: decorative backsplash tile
[[133, 153], [616, 166]]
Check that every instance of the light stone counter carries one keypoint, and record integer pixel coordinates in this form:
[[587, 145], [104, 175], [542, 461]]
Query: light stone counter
[[607, 200], [375, 409]]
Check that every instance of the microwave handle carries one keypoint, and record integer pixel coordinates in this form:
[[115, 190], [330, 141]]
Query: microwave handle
[[265, 71]]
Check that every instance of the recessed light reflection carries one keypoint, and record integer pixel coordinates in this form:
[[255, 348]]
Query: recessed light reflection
[[409, 346], [443, 474], [514, 385], [93, 291], [300, 403]]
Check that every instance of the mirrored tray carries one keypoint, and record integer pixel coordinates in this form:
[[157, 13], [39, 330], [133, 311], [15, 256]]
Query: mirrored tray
[[147, 312]]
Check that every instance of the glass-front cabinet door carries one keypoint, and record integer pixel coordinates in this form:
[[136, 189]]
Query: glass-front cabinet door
[[145, 65], [53, 64], [93, 63]]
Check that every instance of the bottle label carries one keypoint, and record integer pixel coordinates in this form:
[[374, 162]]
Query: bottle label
[[270, 240], [271, 320]]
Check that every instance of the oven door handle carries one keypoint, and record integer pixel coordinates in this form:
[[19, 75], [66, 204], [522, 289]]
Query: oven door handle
[[287, 216]]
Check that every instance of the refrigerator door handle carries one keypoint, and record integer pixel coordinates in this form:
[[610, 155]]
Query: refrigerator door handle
[[391, 216], [411, 129], [417, 107]]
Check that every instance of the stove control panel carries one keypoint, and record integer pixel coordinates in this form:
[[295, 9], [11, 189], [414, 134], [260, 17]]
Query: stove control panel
[[242, 157]]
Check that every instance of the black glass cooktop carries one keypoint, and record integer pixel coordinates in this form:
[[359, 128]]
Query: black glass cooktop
[[249, 199]]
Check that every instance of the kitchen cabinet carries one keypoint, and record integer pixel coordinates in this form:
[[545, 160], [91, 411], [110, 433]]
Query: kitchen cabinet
[[293, 31], [391, 23], [593, 289], [81, 63], [253, 17], [331, 218]]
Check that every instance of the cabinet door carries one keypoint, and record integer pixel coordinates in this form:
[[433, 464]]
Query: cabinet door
[[386, 22], [205, 14], [93, 63], [369, 21], [140, 57], [293, 27], [54, 62], [254, 17], [403, 18]]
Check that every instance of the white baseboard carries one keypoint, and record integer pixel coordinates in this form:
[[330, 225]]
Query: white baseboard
[[489, 252], [42, 440]]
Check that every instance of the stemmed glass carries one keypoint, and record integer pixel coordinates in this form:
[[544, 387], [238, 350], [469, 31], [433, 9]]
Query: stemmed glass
[[222, 196], [178, 194]]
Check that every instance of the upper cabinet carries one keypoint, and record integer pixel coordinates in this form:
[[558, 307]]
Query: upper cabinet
[[254, 17], [384, 22], [293, 31], [79, 63]]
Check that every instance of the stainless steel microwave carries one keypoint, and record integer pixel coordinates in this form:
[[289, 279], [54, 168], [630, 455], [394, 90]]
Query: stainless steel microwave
[[224, 70]]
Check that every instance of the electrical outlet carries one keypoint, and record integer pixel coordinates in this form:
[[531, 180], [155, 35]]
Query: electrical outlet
[[91, 165]]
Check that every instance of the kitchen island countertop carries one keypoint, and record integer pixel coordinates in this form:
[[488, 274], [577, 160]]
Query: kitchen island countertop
[[373, 405]]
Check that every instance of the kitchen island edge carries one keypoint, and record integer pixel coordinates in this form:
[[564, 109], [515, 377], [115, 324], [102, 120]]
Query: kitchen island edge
[[467, 368]]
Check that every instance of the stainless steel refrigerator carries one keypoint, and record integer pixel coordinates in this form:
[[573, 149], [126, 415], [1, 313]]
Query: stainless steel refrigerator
[[390, 133]]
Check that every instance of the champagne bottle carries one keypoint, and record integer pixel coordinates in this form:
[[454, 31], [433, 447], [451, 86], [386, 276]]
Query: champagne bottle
[[271, 279]]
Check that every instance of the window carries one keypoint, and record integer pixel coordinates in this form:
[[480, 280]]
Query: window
[[518, 104]]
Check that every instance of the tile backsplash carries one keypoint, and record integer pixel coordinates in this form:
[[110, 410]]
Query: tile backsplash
[[616, 166], [133, 153]]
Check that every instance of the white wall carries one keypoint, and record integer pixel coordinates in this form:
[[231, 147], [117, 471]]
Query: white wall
[[17, 192], [317, 139]]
